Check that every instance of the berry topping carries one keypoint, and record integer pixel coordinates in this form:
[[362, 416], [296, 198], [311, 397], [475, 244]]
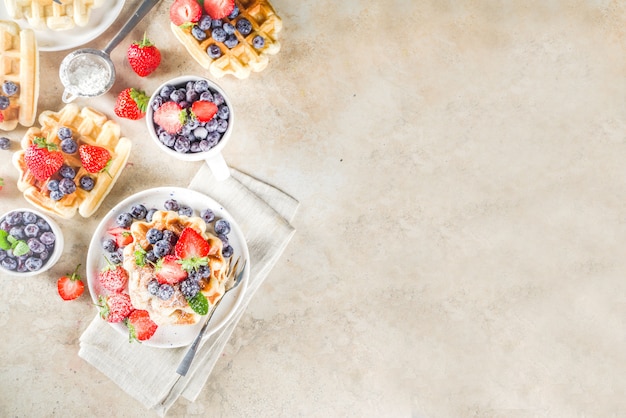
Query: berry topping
[[9, 88], [192, 249], [170, 116], [185, 12], [169, 270], [203, 111], [131, 104], [143, 57], [43, 159], [219, 9], [113, 277], [70, 286], [5, 143], [115, 308], [94, 158], [122, 236], [140, 326]]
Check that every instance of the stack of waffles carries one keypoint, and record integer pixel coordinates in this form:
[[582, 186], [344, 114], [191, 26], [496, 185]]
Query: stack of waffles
[[88, 126], [48, 14], [244, 58], [19, 63]]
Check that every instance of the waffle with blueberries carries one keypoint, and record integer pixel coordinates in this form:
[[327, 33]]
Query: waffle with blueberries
[[19, 76], [58, 162], [53, 14], [238, 44]]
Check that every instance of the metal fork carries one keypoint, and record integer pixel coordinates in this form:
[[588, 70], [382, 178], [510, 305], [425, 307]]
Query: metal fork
[[234, 278]]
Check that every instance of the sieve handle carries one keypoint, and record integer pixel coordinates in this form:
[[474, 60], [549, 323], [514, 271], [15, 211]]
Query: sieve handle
[[139, 14]]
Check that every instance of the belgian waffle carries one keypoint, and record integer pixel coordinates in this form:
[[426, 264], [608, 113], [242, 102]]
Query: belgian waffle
[[176, 310], [88, 127], [241, 60], [48, 14], [19, 63]]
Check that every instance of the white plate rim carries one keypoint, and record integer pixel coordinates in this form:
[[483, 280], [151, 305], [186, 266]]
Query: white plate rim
[[172, 336], [50, 41]]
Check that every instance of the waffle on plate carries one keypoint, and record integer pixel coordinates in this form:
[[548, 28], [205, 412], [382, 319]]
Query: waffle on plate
[[243, 58], [88, 127], [48, 14], [19, 63]]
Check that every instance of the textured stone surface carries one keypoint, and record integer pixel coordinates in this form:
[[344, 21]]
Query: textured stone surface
[[459, 245]]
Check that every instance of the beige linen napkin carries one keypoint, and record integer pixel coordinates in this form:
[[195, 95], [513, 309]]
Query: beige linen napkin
[[149, 374]]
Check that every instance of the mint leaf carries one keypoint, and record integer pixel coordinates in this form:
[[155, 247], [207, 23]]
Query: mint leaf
[[140, 257], [199, 304], [4, 242], [20, 248], [12, 240]]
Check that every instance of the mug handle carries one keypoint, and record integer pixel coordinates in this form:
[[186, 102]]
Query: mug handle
[[218, 167], [68, 97]]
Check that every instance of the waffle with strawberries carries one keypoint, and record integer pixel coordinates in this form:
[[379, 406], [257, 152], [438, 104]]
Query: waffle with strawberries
[[239, 57], [20, 65], [49, 14], [91, 131]]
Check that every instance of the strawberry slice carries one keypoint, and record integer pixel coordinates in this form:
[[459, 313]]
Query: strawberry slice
[[122, 236], [219, 9], [192, 249], [70, 286], [169, 270], [185, 11], [203, 110], [140, 326], [94, 158], [170, 116]]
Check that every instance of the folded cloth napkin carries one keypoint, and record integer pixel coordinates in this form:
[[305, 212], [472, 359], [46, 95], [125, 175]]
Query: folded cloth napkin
[[149, 374]]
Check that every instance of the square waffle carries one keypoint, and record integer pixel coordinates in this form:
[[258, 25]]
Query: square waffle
[[88, 127], [241, 60], [19, 63], [48, 14]]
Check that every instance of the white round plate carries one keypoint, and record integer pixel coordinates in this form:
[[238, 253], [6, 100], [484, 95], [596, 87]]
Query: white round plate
[[170, 336], [50, 40]]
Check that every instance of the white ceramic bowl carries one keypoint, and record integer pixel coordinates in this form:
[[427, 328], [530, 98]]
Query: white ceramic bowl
[[52, 257], [213, 156]]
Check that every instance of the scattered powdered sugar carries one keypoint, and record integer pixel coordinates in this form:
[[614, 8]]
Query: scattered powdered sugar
[[88, 74]]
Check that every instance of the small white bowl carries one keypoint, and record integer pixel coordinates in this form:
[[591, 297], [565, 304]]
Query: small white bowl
[[213, 156], [52, 257]]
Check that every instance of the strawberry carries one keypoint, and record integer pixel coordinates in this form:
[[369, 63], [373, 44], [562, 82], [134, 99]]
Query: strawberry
[[169, 270], [94, 158], [131, 104], [143, 57], [203, 110], [70, 286], [219, 9], [171, 117], [192, 249], [43, 159], [122, 236], [185, 12], [115, 307], [113, 277], [140, 326]]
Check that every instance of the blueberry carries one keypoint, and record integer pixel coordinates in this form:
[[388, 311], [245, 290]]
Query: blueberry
[[17, 232], [192, 95], [204, 145], [218, 99], [227, 251], [36, 246], [109, 245], [42, 224], [69, 146], [9, 88], [198, 33], [205, 22], [200, 132], [189, 288], [31, 230], [178, 95], [229, 28], [14, 218], [67, 172], [222, 126], [171, 204], [56, 195], [167, 139], [213, 138], [86, 183], [44, 254], [223, 238], [184, 104], [231, 41], [150, 214], [204, 272], [166, 291], [195, 147], [207, 215], [64, 133], [222, 226], [116, 257], [153, 235], [216, 23], [53, 185], [153, 287], [151, 256], [138, 211], [4, 102], [162, 248], [157, 102], [67, 186], [29, 217], [185, 210], [167, 91], [9, 263], [170, 237], [47, 238], [5, 143], [200, 86], [124, 219], [33, 263], [219, 34], [258, 42], [234, 13], [206, 95], [211, 126], [244, 26], [223, 112], [182, 145]]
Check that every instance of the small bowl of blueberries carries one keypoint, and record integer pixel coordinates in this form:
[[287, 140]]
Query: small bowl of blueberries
[[30, 242], [191, 118]]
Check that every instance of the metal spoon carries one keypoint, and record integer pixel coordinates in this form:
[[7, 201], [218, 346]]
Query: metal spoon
[[90, 72]]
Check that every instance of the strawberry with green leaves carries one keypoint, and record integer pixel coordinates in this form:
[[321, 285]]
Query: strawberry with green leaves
[[143, 56], [185, 12], [95, 159], [140, 326], [70, 286], [115, 308], [131, 104], [113, 277], [192, 250], [43, 158], [122, 236]]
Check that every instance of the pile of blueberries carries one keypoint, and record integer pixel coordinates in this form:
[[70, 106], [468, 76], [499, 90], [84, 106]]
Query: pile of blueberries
[[35, 232], [195, 136]]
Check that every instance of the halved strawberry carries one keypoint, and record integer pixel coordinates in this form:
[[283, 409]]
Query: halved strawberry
[[203, 110], [94, 158], [170, 116], [122, 236], [192, 249], [185, 11], [219, 9], [70, 286], [169, 270], [115, 307], [140, 326]]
